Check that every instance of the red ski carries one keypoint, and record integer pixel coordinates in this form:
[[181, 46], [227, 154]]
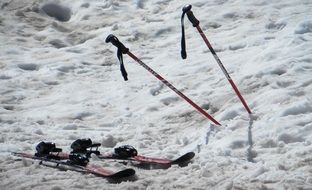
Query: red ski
[[83, 148], [74, 165], [161, 162], [127, 153]]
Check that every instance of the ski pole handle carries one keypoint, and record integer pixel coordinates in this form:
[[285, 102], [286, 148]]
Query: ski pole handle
[[121, 49], [187, 9], [114, 40]]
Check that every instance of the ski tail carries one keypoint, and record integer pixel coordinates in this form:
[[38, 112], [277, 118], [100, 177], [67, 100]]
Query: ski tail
[[145, 161], [184, 159], [123, 174]]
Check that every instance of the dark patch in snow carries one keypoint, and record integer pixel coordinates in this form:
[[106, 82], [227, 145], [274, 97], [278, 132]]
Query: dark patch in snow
[[8, 107], [284, 84], [231, 15], [56, 188], [57, 43], [212, 25], [4, 77], [59, 12], [169, 100], [139, 4], [156, 91], [228, 115], [28, 66], [288, 138], [212, 109], [40, 122], [71, 127], [238, 144], [297, 109], [85, 5], [161, 32], [51, 82], [237, 46], [206, 106], [152, 108], [76, 38], [82, 115], [278, 71], [59, 27], [268, 143], [38, 132], [304, 27], [275, 25], [66, 69]]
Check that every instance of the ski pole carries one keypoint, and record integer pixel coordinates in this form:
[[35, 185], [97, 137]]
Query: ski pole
[[123, 50], [187, 10]]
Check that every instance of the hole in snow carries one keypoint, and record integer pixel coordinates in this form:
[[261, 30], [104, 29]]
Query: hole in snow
[[59, 12]]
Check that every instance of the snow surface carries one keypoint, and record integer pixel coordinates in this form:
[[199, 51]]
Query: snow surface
[[60, 81]]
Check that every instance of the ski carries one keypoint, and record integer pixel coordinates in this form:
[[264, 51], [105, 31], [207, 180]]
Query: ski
[[127, 153], [145, 160], [166, 163], [68, 164], [82, 149]]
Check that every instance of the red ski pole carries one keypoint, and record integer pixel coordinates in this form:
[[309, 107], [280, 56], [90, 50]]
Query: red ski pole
[[123, 50], [187, 10]]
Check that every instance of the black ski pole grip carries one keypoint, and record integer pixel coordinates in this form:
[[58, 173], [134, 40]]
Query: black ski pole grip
[[192, 18], [187, 9], [114, 40]]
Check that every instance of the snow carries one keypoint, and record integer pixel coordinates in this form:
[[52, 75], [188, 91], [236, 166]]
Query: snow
[[60, 81]]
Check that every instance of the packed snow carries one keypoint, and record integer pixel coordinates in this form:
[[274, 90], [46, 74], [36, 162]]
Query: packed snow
[[60, 81]]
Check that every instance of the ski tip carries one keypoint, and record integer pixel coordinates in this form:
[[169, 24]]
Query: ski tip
[[123, 174], [184, 159]]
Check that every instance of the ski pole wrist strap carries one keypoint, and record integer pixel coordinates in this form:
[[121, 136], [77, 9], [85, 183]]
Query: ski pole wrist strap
[[186, 10], [122, 67], [121, 49]]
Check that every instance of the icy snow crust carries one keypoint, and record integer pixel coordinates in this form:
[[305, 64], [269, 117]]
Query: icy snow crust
[[60, 81]]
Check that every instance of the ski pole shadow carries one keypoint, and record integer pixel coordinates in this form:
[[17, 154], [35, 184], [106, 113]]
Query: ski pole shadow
[[250, 153], [210, 131]]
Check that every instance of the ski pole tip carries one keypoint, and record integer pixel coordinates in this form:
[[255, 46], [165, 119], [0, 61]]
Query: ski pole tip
[[187, 8], [183, 54]]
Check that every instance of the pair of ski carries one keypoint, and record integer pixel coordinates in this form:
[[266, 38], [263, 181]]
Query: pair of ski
[[63, 163], [78, 159]]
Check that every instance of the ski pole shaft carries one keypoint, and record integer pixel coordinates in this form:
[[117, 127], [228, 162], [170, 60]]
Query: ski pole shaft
[[187, 10], [173, 88], [118, 44], [223, 69]]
